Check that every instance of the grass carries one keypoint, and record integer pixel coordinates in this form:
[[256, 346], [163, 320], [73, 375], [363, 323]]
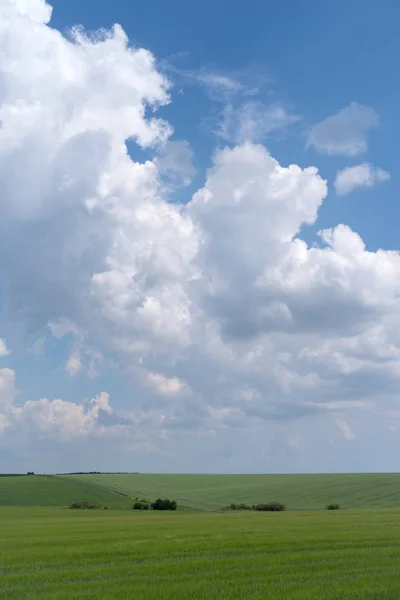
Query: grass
[[209, 492], [61, 554], [37, 490]]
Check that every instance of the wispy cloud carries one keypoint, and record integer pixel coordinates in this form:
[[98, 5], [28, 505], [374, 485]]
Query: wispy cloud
[[344, 132], [4, 351], [253, 121], [346, 430]]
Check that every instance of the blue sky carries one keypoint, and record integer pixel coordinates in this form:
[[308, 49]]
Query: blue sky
[[314, 57], [175, 308]]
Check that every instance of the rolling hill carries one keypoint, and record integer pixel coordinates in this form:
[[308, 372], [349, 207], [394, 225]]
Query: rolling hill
[[204, 492], [40, 490], [210, 492]]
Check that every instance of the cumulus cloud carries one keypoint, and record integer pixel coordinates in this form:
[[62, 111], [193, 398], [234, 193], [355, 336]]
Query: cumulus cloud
[[363, 175], [36, 10], [216, 310], [58, 419], [345, 132]]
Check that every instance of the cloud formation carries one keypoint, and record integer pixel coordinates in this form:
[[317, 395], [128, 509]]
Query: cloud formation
[[253, 122], [4, 351], [56, 419], [363, 175], [217, 312], [344, 133]]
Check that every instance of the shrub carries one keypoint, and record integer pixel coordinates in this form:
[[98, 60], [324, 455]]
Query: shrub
[[164, 504], [83, 504], [241, 506], [271, 506], [141, 505], [333, 506]]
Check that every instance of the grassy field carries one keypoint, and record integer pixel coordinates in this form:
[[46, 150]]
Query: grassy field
[[208, 492], [61, 554], [36, 490]]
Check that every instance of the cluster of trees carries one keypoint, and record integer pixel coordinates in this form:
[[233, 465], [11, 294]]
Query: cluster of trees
[[267, 506], [84, 504], [159, 504], [270, 506]]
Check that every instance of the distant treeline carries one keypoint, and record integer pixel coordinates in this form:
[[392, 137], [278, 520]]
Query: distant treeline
[[100, 473], [11, 474]]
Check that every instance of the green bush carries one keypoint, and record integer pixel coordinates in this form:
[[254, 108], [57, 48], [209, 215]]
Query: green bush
[[141, 505], [333, 506], [83, 505], [271, 506], [164, 504], [241, 506]]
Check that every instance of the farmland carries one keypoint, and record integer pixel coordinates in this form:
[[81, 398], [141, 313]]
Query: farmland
[[57, 553], [210, 492], [34, 490]]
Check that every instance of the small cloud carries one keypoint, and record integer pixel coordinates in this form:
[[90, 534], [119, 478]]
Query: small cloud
[[346, 430], [4, 351], [164, 385], [253, 121], [74, 364], [220, 86], [363, 175], [344, 132]]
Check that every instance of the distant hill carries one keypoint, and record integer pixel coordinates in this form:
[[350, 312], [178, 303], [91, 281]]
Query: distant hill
[[210, 492], [204, 492], [45, 490]]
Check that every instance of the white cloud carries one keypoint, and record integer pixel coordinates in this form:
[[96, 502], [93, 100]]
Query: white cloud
[[253, 121], [344, 132], [221, 87], [58, 418], [74, 364], [36, 10], [4, 351], [218, 297], [345, 429], [363, 175], [165, 385]]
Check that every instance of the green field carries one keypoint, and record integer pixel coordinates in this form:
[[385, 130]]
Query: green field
[[205, 492], [36, 490], [210, 492], [62, 554]]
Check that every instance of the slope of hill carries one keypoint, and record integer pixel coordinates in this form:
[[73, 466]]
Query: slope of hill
[[39, 490], [208, 492]]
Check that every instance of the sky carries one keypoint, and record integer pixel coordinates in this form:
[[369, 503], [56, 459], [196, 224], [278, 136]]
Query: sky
[[199, 248]]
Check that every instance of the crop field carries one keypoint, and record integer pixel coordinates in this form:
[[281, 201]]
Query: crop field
[[36, 490], [210, 492], [62, 554]]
